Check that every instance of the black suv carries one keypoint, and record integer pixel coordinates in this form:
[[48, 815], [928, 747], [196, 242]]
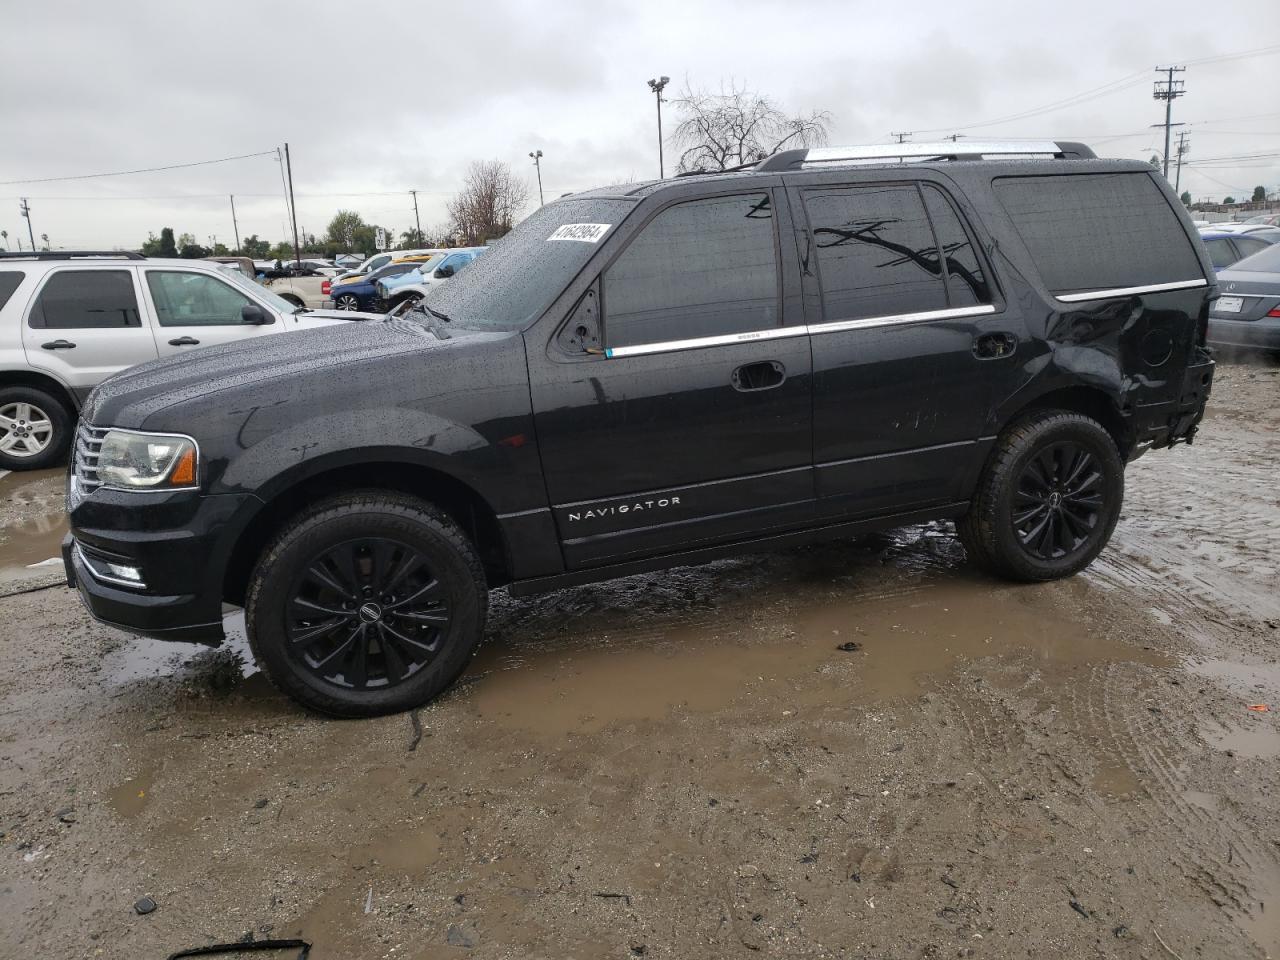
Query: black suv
[[829, 342]]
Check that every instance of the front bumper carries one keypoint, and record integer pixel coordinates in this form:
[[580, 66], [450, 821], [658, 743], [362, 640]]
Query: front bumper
[[179, 542], [1261, 334]]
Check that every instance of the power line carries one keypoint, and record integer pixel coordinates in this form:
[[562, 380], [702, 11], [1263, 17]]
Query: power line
[[123, 173]]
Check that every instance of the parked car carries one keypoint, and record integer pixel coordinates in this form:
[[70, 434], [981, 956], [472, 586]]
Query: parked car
[[416, 284], [1266, 219], [1226, 248], [1247, 314], [654, 375], [379, 260], [1244, 228], [312, 292], [68, 320], [361, 293]]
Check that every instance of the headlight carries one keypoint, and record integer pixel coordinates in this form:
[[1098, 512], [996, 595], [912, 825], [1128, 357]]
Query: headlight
[[132, 461]]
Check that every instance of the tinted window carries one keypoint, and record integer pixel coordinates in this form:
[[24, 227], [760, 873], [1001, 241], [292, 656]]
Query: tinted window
[[194, 299], [521, 274], [1248, 246], [966, 284], [876, 253], [1097, 231], [78, 299], [699, 269], [9, 281], [1221, 253]]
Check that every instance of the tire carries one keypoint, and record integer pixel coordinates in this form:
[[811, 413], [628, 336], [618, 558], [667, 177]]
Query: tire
[[398, 655], [292, 299], [346, 301], [35, 429], [1048, 498]]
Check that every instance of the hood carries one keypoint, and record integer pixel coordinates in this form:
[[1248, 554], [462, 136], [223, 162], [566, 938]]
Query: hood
[[130, 397]]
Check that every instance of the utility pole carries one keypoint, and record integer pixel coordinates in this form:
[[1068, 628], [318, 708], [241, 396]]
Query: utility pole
[[293, 209], [954, 137], [901, 136], [235, 226], [1183, 147], [656, 86], [537, 162], [25, 209], [416, 222], [1168, 90]]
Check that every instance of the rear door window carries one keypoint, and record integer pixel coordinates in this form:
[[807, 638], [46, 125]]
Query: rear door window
[[704, 268], [876, 252], [1099, 231], [1221, 253], [966, 282], [1247, 246], [9, 280], [86, 299]]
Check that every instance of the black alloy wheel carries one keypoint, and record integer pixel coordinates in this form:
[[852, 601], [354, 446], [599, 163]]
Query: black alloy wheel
[[367, 614], [1058, 500]]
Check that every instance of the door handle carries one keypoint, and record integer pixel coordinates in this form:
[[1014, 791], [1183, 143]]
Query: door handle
[[763, 375], [993, 346], [58, 345], [184, 342]]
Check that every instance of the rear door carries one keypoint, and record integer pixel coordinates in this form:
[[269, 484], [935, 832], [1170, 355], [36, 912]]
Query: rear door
[[908, 344], [694, 424], [84, 325], [193, 309]]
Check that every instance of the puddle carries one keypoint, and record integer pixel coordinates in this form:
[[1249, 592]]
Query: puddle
[[1257, 741], [131, 797], [1115, 780], [32, 522], [790, 656]]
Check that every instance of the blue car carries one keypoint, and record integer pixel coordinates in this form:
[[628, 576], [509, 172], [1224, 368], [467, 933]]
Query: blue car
[[1226, 248], [362, 293]]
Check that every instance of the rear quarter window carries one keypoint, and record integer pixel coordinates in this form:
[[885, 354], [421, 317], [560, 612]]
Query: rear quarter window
[[1098, 231], [9, 280]]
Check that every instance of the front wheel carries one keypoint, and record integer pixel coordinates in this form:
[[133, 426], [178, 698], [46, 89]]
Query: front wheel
[[1048, 498], [369, 603]]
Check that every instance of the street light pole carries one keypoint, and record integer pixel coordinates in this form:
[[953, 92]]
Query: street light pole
[[656, 86], [416, 222], [25, 210], [537, 162]]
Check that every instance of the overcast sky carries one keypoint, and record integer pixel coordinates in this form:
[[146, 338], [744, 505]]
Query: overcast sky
[[377, 99]]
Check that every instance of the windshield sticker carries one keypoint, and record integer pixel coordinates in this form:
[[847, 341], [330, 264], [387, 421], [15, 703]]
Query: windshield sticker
[[586, 232]]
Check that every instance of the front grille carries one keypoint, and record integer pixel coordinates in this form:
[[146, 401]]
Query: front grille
[[85, 464]]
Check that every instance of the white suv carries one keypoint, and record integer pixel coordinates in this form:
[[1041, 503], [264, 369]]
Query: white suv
[[70, 320]]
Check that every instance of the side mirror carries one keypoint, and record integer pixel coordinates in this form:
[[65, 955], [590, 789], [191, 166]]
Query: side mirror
[[251, 313], [443, 272]]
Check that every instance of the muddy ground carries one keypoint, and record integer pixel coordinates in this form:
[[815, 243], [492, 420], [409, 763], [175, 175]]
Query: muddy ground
[[688, 765]]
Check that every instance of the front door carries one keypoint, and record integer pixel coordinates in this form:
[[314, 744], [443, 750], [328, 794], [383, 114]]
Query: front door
[[84, 325], [694, 426], [194, 309], [909, 345]]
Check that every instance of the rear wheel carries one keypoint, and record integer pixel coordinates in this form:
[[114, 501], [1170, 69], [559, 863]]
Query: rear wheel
[[370, 603], [35, 429], [1048, 499], [347, 301]]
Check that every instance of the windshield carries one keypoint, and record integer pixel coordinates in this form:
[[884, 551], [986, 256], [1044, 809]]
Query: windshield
[[258, 290], [1264, 261], [518, 276]]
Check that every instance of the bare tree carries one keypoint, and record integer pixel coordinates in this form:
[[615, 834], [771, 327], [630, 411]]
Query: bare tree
[[738, 126], [489, 202]]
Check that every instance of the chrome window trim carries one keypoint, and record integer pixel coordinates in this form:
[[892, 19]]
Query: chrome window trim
[[777, 333], [667, 346], [835, 326], [1130, 291]]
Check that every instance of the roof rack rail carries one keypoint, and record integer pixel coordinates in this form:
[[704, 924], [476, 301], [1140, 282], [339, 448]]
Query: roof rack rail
[[943, 150], [70, 255]]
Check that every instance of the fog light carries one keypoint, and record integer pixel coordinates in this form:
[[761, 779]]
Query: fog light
[[118, 573]]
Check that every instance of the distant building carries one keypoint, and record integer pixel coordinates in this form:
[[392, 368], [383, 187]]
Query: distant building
[[349, 259]]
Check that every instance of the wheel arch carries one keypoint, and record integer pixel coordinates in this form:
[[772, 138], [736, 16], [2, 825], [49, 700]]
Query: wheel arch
[[1092, 402], [463, 504], [31, 378]]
